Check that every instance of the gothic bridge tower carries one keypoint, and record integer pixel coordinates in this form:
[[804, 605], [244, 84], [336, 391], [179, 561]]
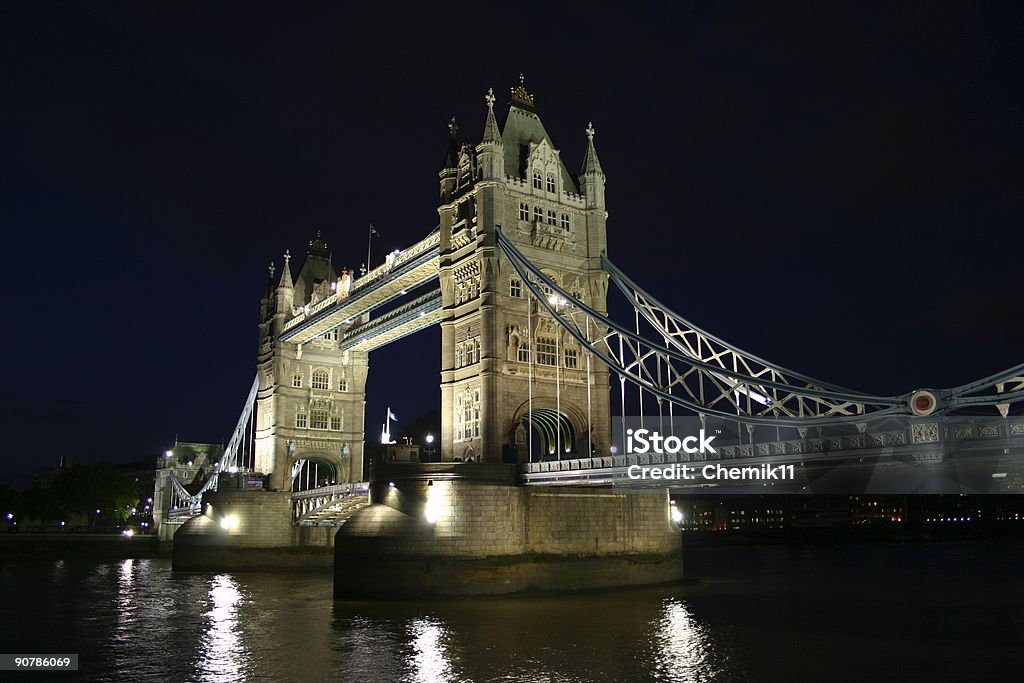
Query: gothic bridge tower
[[309, 408], [499, 346]]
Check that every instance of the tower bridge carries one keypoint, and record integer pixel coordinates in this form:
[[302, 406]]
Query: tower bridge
[[517, 275]]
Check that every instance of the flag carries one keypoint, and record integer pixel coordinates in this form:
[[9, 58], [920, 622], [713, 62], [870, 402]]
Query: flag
[[391, 416]]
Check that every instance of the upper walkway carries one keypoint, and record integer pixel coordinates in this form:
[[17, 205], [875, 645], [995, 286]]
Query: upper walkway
[[401, 273]]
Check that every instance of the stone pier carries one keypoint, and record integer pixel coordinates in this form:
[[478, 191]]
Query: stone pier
[[250, 530], [467, 529]]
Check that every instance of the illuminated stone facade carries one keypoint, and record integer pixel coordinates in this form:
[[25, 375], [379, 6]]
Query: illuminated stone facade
[[309, 409], [493, 348]]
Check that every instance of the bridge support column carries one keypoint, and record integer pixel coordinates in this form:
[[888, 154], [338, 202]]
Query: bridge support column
[[467, 529], [250, 530]]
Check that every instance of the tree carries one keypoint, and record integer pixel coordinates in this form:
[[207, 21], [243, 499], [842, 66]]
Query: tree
[[87, 488]]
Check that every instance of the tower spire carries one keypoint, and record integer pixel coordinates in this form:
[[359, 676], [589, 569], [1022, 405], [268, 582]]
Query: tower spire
[[286, 272], [451, 156], [491, 132], [591, 164], [592, 177]]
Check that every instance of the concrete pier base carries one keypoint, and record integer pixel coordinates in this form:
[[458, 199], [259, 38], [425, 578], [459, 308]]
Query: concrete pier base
[[466, 529], [250, 530]]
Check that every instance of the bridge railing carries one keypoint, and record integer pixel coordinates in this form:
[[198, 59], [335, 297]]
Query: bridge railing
[[432, 241], [305, 503], [924, 438]]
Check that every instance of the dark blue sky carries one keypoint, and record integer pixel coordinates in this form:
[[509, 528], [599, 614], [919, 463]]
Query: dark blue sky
[[836, 187]]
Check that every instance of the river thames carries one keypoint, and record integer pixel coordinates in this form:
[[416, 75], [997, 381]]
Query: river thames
[[925, 611]]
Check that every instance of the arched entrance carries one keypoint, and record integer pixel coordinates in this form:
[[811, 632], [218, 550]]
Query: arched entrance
[[544, 434], [313, 472]]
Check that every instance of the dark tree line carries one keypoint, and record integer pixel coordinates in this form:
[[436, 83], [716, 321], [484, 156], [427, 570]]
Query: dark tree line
[[80, 491]]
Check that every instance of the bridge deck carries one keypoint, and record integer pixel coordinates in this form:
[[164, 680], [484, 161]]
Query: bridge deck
[[414, 316], [411, 268]]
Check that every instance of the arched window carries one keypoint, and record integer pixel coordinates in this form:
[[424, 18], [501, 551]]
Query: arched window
[[552, 218], [571, 359], [297, 381], [538, 180], [524, 211], [551, 183], [538, 214], [300, 418], [524, 353], [321, 380], [515, 288], [565, 221]]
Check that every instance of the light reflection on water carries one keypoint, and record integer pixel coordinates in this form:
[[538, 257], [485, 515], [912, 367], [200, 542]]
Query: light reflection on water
[[429, 658], [764, 614], [683, 649], [222, 651]]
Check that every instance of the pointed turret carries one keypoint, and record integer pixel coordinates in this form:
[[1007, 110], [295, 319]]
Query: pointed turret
[[491, 132], [491, 150], [449, 171], [268, 295], [591, 176], [283, 299], [286, 272]]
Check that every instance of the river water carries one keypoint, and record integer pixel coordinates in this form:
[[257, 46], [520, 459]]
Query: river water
[[939, 611]]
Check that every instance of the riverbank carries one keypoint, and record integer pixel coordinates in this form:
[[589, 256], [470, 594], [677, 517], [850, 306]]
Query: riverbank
[[65, 546]]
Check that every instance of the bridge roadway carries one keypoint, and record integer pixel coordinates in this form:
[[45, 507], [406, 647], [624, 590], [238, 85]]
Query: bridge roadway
[[399, 275], [987, 451]]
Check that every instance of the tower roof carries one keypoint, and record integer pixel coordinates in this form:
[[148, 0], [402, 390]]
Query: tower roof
[[316, 270], [523, 126]]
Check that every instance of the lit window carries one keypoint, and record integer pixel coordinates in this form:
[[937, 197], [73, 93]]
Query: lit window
[[321, 380], [571, 359], [538, 181], [524, 211], [297, 381], [318, 419], [551, 218], [515, 288], [467, 416], [551, 183], [538, 214], [547, 351], [565, 221], [336, 423], [300, 420]]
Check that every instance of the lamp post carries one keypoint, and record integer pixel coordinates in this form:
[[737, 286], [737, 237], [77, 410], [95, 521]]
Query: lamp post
[[430, 448]]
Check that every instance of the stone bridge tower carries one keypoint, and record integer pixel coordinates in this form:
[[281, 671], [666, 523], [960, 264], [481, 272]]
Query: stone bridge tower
[[495, 344], [309, 409]]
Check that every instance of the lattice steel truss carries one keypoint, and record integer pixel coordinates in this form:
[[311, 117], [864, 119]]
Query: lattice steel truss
[[694, 370]]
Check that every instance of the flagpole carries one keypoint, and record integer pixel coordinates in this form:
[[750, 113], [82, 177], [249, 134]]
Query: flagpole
[[369, 241]]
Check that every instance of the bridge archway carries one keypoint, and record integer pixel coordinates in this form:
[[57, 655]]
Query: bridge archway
[[548, 433], [311, 470]]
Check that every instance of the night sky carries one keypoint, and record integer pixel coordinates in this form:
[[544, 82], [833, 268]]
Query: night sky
[[836, 187]]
